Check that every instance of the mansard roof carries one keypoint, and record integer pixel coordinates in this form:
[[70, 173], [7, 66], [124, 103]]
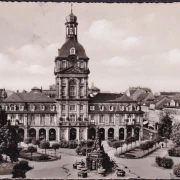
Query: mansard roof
[[29, 97], [110, 98], [70, 43]]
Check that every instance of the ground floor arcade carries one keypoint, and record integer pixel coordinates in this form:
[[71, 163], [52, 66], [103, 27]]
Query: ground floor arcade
[[79, 133]]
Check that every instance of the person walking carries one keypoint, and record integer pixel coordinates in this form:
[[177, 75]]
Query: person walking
[[162, 145]]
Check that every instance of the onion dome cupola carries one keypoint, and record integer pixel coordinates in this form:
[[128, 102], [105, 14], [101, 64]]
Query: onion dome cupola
[[72, 46]]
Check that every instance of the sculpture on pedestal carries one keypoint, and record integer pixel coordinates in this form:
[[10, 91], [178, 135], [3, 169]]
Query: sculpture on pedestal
[[97, 159]]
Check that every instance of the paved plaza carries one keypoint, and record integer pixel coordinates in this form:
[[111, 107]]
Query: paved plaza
[[63, 168]]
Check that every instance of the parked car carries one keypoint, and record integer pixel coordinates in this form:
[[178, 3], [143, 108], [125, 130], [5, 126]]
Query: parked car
[[120, 172]]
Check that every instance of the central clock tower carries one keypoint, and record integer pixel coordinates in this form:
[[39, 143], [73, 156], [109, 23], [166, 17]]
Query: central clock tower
[[71, 72]]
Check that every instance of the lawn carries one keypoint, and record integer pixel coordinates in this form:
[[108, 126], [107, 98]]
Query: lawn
[[6, 168]]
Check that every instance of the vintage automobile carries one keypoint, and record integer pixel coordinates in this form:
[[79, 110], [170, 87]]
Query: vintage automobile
[[120, 172]]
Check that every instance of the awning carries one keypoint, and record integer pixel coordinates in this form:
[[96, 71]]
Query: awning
[[145, 122]]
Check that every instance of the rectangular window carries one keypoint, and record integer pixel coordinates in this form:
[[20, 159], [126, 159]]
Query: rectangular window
[[81, 107], [51, 119], [63, 107], [63, 81], [63, 90], [81, 91], [72, 117], [111, 119], [82, 81], [72, 91], [63, 117], [42, 119], [81, 117], [72, 108], [92, 108], [101, 119], [92, 117]]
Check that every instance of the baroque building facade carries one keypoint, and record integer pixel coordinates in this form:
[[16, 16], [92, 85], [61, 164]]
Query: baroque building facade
[[73, 111]]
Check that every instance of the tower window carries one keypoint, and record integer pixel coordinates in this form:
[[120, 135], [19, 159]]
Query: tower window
[[73, 88], [81, 64], [63, 64], [72, 51], [63, 90]]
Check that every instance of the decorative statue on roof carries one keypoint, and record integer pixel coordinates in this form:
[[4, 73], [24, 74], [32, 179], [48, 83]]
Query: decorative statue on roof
[[9, 137]]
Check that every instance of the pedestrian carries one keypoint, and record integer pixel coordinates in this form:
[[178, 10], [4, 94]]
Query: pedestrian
[[162, 145]]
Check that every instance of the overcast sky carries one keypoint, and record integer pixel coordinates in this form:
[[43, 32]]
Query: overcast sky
[[128, 44]]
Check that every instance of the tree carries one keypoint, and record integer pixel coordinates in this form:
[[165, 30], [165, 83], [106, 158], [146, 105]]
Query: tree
[[36, 142], [116, 145], [165, 127], [9, 138], [31, 149], [158, 139], [127, 141], [44, 145], [56, 146], [28, 140], [175, 135]]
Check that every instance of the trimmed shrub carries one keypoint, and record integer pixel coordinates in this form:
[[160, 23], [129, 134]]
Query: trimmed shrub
[[174, 151], [158, 160], [1, 158], [31, 149], [36, 142], [165, 162], [24, 165], [176, 170]]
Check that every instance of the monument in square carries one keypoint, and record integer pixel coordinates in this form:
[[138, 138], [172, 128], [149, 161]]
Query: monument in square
[[98, 159]]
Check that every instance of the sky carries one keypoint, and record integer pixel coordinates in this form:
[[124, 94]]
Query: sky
[[128, 44]]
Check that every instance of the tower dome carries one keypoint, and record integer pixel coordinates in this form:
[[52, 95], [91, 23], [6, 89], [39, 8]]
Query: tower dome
[[71, 18]]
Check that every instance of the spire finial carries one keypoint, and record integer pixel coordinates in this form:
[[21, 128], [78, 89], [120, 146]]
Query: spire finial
[[71, 7]]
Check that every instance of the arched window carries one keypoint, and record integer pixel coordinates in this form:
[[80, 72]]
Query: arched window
[[72, 51], [72, 88]]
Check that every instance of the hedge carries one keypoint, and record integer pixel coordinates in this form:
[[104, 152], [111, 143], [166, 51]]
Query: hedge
[[174, 151]]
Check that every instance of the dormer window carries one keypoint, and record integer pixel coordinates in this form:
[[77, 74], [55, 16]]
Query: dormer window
[[102, 108], [81, 64], [111, 108], [92, 108], [63, 64], [32, 107], [13, 107], [42, 107], [72, 51], [52, 107], [21, 107]]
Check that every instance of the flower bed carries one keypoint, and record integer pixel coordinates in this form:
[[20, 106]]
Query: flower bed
[[136, 153], [36, 156]]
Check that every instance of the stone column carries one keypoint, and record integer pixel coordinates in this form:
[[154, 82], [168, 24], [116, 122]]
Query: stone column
[[78, 89], [85, 87], [78, 111], [77, 130], [60, 91], [58, 134], [25, 133], [37, 133], [67, 88], [125, 132], [47, 134]]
